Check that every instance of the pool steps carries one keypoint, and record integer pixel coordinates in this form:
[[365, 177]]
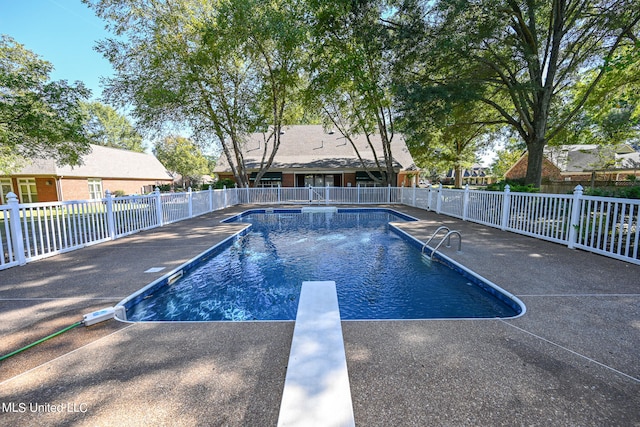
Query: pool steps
[[316, 389]]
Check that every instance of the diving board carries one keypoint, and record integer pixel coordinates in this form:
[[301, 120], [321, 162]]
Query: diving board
[[316, 388]]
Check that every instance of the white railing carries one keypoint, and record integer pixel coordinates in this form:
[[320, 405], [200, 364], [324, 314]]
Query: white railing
[[10, 246], [132, 214], [36, 230], [484, 207], [602, 225], [546, 216], [609, 227]]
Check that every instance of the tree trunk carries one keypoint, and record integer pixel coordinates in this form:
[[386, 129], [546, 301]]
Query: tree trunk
[[457, 173], [535, 160]]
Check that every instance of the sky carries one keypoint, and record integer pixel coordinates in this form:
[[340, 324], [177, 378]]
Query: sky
[[62, 32]]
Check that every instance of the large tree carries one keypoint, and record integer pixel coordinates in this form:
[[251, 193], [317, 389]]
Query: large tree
[[39, 118], [453, 139], [519, 57], [350, 75], [180, 155], [222, 68], [611, 115], [105, 126]]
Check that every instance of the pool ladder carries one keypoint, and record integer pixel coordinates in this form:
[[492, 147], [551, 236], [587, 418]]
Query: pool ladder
[[445, 238]]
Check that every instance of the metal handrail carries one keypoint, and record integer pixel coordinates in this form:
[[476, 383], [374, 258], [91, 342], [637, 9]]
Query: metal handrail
[[448, 239], [433, 236], [319, 199]]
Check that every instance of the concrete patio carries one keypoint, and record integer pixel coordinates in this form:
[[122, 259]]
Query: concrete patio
[[572, 359]]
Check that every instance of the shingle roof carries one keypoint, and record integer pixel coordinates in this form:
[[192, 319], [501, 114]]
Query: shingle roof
[[103, 162], [311, 147], [589, 157], [629, 160], [474, 171]]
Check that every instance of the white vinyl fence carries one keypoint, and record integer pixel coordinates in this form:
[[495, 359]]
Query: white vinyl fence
[[602, 225]]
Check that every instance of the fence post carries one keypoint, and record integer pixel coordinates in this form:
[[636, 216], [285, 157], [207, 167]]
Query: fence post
[[358, 195], [224, 193], [465, 202], [413, 198], [279, 194], [429, 191], [439, 199], [310, 194], [506, 206], [575, 216], [190, 202], [17, 239], [111, 223], [389, 194], [326, 195], [210, 199], [159, 207], [247, 187]]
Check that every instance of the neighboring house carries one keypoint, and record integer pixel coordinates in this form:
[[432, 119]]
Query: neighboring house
[[475, 175], [580, 162], [103, 169], [309, 155]]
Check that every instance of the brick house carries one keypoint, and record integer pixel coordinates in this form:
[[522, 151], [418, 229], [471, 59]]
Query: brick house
[[578, 163], [104, 168], [310, 155]]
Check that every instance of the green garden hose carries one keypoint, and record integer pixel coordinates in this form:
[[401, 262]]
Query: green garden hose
[[13, 353]]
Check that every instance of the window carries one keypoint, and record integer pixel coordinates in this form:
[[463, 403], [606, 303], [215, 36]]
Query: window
[[5, 188], [319, 180], [95, 188], [28, 190]]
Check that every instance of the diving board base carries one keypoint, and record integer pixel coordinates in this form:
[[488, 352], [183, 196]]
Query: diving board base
[[319, 209], [316, 389]]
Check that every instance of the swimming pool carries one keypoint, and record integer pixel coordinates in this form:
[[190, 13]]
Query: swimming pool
[[379, 273]]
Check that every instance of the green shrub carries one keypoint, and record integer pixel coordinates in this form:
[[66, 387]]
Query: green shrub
[[229, 183], [515, 186], [622, 192]]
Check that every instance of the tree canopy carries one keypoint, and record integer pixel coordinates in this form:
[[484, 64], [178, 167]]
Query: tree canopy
[[105, 126], [224, 68], [180, 155], [350, 74], [39, 118], [520, 58], [446, 73]]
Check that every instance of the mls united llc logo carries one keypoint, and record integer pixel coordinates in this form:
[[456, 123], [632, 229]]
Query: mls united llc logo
[[22, 407]]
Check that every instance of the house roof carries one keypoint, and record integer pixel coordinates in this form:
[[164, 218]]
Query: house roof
[[589, 157], [311, 147], [474, 171], [103, 162], [629, 160]]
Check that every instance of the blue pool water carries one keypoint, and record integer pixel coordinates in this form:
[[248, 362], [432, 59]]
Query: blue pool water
[[379, 274]]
